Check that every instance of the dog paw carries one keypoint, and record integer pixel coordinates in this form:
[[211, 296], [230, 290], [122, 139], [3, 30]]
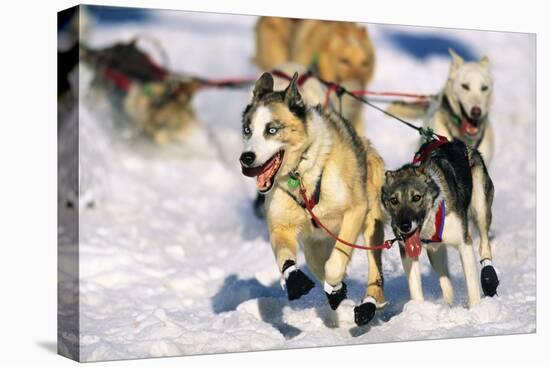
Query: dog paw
[[297, 283], [335, 295], [364, 313], [259, 207], [489, 280]]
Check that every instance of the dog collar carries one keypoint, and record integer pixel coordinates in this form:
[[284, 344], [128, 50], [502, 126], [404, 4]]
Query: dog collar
[[446, 105], [315, 197], [457, 120]]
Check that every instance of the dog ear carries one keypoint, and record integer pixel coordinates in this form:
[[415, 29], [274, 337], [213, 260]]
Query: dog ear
[[263, 86], [457, 59], [455, 64], [484, 62], [293, 98], [291, 91], [390, 175]]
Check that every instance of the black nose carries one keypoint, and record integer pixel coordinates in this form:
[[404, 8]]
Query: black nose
[[405, 227], [247, 158], [476, 112]]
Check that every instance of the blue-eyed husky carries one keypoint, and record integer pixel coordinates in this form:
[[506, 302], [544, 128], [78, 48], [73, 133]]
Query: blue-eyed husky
[[289, 144]]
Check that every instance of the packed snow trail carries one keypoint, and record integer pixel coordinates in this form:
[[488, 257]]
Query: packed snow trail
[[173, 261]]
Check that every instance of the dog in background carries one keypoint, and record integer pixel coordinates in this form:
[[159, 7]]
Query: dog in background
[[163, 110], [341, 52], [289, 145], [143, 92], [431, 204], [462, 109]]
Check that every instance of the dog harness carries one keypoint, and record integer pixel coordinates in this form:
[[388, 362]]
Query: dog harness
[[439, 224], [426, 149], [312, 201], [413, 249], [125, 63]]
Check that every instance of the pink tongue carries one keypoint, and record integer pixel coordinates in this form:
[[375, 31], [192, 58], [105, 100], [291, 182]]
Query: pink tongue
[[413, 245], [263, 180], [469, 128]]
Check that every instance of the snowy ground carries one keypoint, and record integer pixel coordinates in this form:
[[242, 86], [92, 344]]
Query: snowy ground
[[172, 260]]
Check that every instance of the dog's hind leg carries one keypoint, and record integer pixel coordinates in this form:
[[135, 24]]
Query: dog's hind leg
[[317, 252], [438, 259], [468, 260], [482, 201], [374, 294], [480, 208], [413, 273], [374, 235]]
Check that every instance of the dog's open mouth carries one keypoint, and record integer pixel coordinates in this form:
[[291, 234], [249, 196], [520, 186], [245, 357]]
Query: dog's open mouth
[[468, 126], [265, 173], [413, 244]]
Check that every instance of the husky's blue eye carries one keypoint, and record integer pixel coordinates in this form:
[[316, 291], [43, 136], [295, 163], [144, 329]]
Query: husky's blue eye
[[246, 130], [272, 131]]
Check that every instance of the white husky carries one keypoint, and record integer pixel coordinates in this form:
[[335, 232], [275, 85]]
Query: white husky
[[462, 109]]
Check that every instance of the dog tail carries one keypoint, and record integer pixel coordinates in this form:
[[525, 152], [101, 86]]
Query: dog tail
[[410, 110]]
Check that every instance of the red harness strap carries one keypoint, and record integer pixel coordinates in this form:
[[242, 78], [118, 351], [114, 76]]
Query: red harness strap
[[310, 203], [303, 78], [425, 151], [439, 222], [120, 80], [300, 81], [335, 88], [419, 158]]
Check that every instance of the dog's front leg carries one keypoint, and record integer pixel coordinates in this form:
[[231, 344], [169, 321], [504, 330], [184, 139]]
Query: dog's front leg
[[335, 267], [285, 243], [438, 259], [414, 276], [468, 260]]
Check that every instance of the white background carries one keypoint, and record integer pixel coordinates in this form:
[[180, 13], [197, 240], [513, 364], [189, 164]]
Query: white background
[[28, 181]]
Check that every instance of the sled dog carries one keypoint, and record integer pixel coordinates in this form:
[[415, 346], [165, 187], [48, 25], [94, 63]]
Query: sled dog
[[431, 204], [142, 92], [289, 145], [341, 51], [462, 108]]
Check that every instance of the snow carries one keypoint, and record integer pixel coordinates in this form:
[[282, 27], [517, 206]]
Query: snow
[[172, 260]]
